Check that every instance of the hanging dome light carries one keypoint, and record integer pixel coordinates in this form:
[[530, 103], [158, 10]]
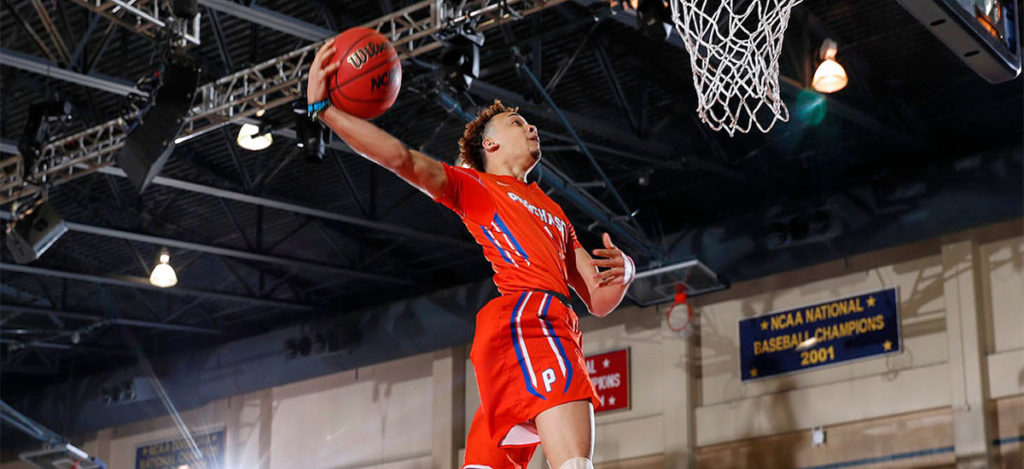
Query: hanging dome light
[[830, 76], [248, 139], [163, 275]]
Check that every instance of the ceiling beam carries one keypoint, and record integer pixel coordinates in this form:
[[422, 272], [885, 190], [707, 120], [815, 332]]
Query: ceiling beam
[[28, 370], [793, 87], [301, 264], [31, 32], [56, 346], [299, 209], [78, 316], [43, 67], [218, 35], [58, 41], [569, 189], [485, 90], [270, 19], [579, 142], [642, 150], [137, 282]]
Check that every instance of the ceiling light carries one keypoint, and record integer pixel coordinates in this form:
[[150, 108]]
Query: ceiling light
[[163, 274], [248, 139], [830, 76]]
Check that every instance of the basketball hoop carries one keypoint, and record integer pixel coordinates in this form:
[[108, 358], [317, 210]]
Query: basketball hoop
[[680, 301], [735, 60]]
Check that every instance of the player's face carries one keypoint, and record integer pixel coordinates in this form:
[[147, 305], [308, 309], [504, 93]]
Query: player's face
[[516, 136]]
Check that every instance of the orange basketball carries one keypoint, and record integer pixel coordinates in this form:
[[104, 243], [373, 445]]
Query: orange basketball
[[367, 82]]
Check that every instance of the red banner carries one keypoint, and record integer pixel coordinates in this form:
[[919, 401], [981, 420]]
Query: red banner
[[610, 374]]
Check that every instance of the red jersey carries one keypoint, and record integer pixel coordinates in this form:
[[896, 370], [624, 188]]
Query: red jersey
[[524, 234]]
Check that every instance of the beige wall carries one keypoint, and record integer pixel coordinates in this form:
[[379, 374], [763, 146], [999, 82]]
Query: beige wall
[[734, 418], [1008, 416], [1003, 297], [866, 439], [381, 416], [373, 417], [731, 409], [687, 401]]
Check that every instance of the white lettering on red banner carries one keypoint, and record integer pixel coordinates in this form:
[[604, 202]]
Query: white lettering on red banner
[[610, 374]]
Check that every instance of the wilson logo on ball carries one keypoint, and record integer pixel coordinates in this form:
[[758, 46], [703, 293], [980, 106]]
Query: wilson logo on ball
[[370, 77], [369, 51]]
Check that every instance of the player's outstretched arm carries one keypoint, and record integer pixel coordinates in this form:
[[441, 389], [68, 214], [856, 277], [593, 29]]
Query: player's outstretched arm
[[602, 290], [370, 141]]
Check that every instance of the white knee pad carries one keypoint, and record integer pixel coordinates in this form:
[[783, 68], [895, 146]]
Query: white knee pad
[[577, 463]]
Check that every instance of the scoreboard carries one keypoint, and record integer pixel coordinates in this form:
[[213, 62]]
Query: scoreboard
[[984, 34]]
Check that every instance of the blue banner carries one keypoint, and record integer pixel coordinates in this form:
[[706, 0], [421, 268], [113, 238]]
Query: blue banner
[[820, 334], [178, 454]]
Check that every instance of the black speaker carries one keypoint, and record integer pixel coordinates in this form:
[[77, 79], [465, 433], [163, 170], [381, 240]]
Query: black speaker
[[309, 137], [460, 58], [42, 119], [185, 9], [151, 142], [30, 237], [651, 17]]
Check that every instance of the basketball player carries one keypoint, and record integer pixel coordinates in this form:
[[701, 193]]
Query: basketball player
[[526, 351]]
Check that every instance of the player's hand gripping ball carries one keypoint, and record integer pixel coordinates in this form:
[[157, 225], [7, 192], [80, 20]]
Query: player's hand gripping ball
[[369, 75]]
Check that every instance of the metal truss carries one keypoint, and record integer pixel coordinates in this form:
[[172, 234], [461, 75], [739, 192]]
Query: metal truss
[[149, 18], [413, 31], [65, 159], [267, 85]]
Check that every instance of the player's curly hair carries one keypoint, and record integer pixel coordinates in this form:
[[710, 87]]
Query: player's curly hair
[[471, 145]]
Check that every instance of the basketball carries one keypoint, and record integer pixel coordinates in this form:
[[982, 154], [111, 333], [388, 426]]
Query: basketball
[[367, 82]]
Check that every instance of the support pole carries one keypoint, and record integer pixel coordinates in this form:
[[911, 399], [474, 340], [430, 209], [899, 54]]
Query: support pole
[[968, 370]]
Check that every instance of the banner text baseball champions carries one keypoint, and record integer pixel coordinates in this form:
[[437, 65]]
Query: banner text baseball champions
[[831, 332]]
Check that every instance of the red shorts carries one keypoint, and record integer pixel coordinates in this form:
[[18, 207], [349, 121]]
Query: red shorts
[[528, 358]]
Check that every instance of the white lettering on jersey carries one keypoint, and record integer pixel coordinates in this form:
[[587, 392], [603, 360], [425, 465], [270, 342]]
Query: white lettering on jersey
[[544, 215]]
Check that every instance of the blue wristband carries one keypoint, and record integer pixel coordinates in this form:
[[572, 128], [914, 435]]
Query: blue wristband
[[314, 110]]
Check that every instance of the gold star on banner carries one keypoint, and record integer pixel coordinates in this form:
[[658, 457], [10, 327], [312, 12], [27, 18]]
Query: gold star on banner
[[887, 346], [753, 372], [764, 325], [871, 301]]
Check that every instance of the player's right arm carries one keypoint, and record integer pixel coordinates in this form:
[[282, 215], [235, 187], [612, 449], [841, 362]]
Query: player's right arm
[[370, 141]]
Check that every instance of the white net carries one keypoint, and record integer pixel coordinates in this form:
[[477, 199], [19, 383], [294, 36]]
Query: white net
[[735, 59]]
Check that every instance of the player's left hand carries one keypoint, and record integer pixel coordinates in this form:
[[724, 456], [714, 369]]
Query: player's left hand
[[319, 71], [619, 268]]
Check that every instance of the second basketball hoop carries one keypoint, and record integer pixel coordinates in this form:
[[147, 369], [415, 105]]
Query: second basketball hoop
[[735, 60]]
